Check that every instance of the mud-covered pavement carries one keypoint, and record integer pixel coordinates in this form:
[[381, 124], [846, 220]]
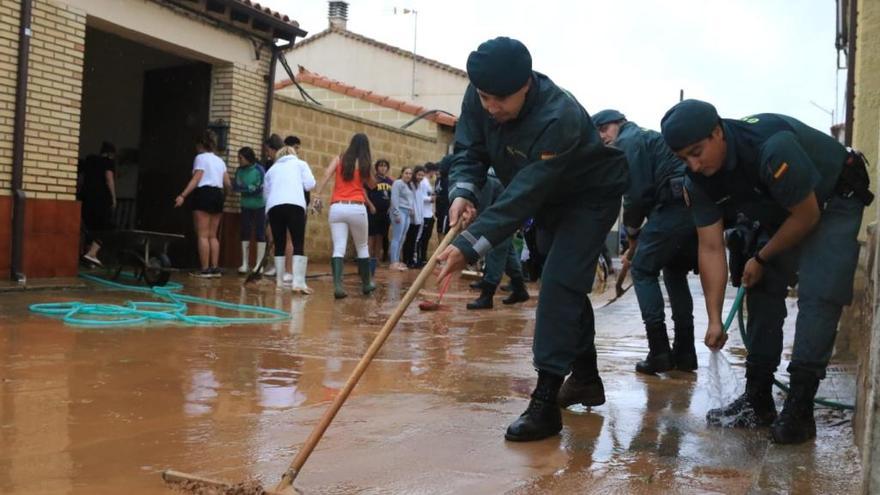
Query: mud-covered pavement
[[90, 411]]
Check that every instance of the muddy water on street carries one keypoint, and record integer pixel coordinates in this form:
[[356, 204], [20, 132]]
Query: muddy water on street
[[86, 411]]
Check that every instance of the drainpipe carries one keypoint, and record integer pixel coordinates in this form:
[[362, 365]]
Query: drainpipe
[[270, 96], [851, 73], [18, 194]]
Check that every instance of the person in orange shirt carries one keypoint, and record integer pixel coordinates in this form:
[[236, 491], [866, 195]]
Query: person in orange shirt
[[348, 209]]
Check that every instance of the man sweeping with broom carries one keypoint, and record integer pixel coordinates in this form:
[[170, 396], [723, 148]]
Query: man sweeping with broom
[[554, 167]]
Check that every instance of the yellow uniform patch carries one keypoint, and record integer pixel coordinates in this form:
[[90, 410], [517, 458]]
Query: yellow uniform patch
[[546, 155], [780, 171]]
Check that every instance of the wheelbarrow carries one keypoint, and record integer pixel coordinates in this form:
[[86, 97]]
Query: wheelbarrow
[[141, 252]]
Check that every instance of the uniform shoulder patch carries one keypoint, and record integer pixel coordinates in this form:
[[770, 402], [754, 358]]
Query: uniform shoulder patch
[[547, 155], [780, 171]]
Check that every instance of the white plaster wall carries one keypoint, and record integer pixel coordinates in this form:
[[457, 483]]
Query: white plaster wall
[[374, 69], [160, 27]]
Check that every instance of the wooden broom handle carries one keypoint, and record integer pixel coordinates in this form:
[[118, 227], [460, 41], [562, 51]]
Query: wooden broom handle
[[319, 429]]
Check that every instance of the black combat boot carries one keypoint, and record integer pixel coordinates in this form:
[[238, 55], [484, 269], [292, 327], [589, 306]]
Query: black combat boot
[[484, 301], [684, 356], [752, 409], [659, 358], [542, 418], [518, 292], [796, 423], [583, 386]]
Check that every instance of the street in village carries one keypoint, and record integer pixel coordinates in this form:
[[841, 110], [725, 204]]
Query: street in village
[[104, 411]]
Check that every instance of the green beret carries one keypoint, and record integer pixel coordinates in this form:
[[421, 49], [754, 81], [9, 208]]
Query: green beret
[[500, 67], [607, 116], [688, 122]]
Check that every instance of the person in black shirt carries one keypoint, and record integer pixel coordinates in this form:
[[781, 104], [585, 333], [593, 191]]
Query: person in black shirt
[[98, 196], [379, 222]]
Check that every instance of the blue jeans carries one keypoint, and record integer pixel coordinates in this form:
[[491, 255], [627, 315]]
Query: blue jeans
[[398, 231]]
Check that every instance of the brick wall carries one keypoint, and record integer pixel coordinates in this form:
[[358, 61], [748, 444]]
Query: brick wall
[[325, 134], [238, 96], [9, 17], [53, 107]]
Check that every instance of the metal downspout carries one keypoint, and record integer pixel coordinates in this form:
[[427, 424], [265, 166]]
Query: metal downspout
[[270, 95], [18, 194]]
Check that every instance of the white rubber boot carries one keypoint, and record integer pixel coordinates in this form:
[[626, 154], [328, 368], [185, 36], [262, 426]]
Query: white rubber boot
[[300, 265], [245, 256], [270, 271], [261, 252], [279, 272]]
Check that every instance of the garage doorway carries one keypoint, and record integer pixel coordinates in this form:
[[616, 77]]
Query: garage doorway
[[151, 104]]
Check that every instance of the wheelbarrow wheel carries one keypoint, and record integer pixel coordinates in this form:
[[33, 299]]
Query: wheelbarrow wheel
[[156, 270]]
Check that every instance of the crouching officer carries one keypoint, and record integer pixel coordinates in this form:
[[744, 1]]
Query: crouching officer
[[667, 242], [548, 155], [501, 259], [807, 192]]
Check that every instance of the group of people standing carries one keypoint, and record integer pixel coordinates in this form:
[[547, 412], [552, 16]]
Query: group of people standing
[[364, 205], [784, 198]]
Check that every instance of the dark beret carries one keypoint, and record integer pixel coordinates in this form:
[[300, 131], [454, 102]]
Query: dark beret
[[607, 116], [500, 66], [688, 122]]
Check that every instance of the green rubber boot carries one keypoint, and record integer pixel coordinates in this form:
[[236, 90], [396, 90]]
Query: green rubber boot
[[338, 291], [366, 274]]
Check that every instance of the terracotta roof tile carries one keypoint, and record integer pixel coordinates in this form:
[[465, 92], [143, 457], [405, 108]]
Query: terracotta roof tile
[[267, 10], [304, 76], [384, 46]]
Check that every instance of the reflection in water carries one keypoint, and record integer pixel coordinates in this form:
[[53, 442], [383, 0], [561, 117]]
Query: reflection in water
[[202, 392]]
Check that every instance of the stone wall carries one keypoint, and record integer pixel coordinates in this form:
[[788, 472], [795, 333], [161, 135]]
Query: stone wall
[[866, 117], [325, 134], [358, 107]]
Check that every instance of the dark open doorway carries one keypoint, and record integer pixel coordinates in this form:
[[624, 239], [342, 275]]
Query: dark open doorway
[[151, 104], [176, 105]]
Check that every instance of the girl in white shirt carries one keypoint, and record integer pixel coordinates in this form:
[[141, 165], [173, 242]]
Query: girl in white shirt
[[283, 190], [206, 187]]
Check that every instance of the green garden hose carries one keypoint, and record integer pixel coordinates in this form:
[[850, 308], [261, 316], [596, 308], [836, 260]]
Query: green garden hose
[[737, 310], [131, 313]]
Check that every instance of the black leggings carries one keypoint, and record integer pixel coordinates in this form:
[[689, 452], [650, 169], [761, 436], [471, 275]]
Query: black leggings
[[288, 218]]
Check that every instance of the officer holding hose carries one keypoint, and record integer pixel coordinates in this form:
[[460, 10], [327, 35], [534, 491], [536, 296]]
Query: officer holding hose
[[804, 194]]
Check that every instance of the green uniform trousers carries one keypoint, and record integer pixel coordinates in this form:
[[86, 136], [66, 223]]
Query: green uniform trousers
[[571, 236]]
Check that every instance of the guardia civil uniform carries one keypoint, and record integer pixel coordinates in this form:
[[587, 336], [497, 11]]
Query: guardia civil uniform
[[554, 168], [667, 242], [772, 163]]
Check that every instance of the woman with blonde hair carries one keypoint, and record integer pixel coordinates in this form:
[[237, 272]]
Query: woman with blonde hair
[[348, 209], [283, 189]]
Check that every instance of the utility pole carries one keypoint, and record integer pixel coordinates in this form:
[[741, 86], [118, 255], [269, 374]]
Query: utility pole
[[415, 15]]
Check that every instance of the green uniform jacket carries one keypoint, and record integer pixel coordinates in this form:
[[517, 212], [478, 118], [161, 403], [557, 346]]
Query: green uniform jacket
[[772, 163], [651, 166], [549, 155]]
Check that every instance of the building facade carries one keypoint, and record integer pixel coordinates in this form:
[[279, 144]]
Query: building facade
[[145, 75], [371, 65]]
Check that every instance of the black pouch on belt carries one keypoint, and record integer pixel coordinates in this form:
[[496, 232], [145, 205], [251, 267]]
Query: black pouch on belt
[[854, 179]]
